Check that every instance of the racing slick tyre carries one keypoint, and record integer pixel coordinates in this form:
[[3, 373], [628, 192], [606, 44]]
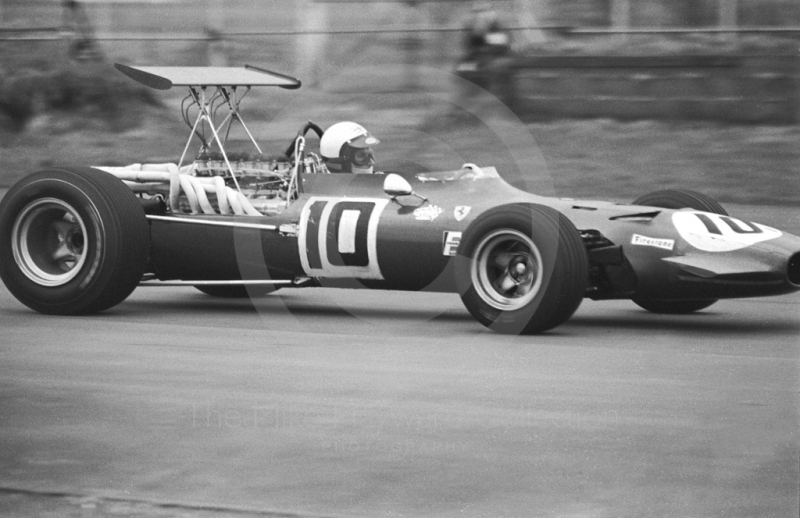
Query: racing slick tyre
[[678, 199], [521, 269], [73, 241], [237, 292]]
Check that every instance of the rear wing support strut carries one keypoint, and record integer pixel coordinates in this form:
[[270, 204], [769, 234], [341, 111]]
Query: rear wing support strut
[[205, 114], [233, 105]]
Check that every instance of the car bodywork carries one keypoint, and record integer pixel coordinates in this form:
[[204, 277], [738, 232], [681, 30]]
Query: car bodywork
[[345, 228], [224, 221]]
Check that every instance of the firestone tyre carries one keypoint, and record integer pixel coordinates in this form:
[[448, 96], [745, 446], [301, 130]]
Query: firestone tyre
[[73, 241], [678, 199], [521, 269]]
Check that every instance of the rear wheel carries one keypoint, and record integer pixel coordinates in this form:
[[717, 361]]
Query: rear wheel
[[521, 269], [678, 199], [72, 241]]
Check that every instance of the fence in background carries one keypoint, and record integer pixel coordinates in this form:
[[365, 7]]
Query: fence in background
[[742, 89]]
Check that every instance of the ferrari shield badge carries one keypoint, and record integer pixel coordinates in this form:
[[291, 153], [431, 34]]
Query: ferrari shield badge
[[428, 212], [461, 212]]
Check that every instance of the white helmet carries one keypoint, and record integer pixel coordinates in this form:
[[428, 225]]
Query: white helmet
[[346, 147]]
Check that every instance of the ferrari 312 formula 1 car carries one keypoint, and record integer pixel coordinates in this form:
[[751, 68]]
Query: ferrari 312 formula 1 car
[[78, 240]]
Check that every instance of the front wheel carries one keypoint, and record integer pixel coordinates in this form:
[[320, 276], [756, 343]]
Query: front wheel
[[522, 269], [72, 241], [678, 199]]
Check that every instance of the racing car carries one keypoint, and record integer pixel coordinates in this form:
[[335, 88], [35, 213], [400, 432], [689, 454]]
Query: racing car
[[79, 240]]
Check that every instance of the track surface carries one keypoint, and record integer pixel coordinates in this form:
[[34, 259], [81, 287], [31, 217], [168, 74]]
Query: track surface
[[354, 403]]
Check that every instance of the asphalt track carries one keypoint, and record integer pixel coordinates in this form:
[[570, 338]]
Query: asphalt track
[[352, 403]]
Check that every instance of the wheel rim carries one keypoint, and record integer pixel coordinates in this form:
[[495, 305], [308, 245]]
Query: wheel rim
[[49, 242], [507, 269]]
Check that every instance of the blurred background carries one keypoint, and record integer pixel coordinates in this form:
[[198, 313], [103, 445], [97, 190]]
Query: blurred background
[[684, 93]]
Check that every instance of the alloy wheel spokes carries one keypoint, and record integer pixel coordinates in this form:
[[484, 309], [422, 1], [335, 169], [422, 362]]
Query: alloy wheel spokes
[[49, 242], [505, 284], [523, 289], [70, 242], [508, 272], [503, 259]]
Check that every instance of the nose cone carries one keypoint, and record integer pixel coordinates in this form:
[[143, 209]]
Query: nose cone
[[722, 257], [737, 253]]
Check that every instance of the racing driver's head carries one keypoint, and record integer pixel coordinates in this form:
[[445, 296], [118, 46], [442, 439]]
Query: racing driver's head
[[346, 147]]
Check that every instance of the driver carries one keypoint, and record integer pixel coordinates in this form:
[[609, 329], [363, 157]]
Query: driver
[[346, 147]]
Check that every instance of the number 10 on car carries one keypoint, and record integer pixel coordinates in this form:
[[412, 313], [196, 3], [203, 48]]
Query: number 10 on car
[[338, 237]]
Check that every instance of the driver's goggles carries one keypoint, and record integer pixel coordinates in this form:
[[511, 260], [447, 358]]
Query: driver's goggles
[[362, 156]]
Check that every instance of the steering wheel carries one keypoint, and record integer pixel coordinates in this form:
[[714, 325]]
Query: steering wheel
[[308, 125]]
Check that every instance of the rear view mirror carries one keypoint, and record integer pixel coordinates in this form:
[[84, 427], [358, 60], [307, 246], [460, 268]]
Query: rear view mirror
[[395, 185]]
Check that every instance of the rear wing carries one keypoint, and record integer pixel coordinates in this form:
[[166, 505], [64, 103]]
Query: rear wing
[[209, 89], [164, 78]]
